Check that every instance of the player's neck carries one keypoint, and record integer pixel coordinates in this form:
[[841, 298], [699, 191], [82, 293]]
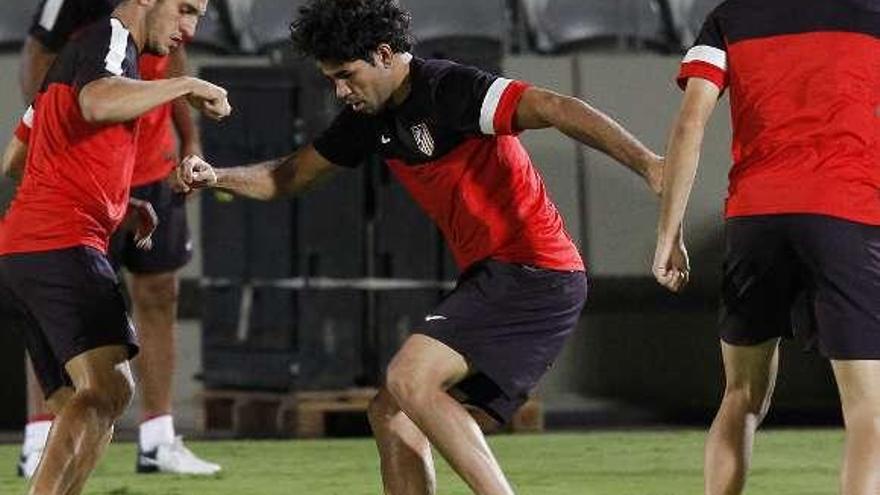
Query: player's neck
[[132, 17], [404, 81]]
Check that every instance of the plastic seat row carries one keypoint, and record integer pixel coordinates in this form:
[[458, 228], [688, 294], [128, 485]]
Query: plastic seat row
[[255, 26]]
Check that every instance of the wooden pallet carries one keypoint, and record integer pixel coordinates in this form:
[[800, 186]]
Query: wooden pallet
[[304, 414]]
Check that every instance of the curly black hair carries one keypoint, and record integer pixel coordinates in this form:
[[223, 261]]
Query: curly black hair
[[347, 30]]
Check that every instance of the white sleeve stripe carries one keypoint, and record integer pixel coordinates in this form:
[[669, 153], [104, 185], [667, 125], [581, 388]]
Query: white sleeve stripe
[[49, 14], [116, 51], [708, 54], [490, 105], [28, 118]]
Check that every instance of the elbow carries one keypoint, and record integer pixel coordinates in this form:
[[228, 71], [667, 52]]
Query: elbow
[[95, 113], [95, 110]]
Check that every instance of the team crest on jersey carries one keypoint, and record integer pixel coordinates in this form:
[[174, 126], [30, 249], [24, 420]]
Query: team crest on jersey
[[423, 137]]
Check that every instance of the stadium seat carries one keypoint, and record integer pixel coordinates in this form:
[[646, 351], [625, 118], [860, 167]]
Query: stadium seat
[[215, 33], [15, 19], [457, 19], [265, 24], [697, 12], [469, 32], [564, 25]]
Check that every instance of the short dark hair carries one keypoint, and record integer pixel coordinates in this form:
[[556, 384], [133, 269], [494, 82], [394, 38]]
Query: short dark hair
[[347, 30]]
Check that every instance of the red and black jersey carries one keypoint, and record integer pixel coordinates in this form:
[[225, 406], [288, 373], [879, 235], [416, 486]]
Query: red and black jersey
[[57, 20], [77, 176], [452, 145], [804, 81], [157, 144]]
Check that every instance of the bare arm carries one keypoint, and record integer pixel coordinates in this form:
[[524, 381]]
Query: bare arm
[[683, 156], [35, 62], [120, 99], [540, 108], [285, 176], [14, 158], [181, 113]]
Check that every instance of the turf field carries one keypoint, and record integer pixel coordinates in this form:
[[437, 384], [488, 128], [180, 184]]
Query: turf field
[[799, 462]]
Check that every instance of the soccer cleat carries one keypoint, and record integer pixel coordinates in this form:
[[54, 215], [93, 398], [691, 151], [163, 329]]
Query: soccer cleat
[[28, 463], [174, 458]]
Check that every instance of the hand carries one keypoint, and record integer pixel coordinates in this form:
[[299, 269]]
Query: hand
[[174, 179], [654, 174], [195, 173], [672, 267], [209, 99], [142, 219]]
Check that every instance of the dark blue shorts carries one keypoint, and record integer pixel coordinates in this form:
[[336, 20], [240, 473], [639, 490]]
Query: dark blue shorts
[[67, 302], [172, 245], [815, 275], [510, 322]]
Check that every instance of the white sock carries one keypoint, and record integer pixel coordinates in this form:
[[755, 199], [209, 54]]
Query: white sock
[[155, 432], [36, 433]]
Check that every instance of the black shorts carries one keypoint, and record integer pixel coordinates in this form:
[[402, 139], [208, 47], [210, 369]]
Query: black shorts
[[68, 302], [812, 274], [510, 322], [172, 246]]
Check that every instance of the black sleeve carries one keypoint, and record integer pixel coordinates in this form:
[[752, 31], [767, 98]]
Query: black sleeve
[[56, 20], [104, 50], [460, 91], [349, 140]]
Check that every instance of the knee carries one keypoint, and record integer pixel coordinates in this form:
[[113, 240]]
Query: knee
[[748, 400], [405, 385], [110, 397], [155, 291]]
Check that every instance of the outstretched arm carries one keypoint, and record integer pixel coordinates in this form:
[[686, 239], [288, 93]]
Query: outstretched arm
[[682, 160], [120, 99], [285, 176], [540, 108]]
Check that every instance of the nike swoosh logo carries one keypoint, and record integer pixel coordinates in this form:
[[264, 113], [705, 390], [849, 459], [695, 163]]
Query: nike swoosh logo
[[385, 139], [149, 461], [434, 317]]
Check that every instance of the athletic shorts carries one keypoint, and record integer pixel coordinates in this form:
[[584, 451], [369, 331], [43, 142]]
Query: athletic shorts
[[67, 302], [172, 246], [809, 274], [510, 322]]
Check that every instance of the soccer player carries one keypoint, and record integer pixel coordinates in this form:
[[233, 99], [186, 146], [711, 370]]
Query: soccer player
[[448, 133], [153, 273], [78, 142], [802, 213]]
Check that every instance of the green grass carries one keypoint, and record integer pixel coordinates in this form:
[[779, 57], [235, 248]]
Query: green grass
[[802, 462]]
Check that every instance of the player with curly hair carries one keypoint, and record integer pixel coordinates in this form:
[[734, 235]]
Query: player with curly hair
[[449, 134]]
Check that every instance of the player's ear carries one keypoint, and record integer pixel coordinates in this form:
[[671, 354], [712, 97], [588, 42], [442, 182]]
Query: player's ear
[[384, 55]]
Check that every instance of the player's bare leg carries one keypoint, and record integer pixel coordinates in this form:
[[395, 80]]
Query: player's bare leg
[[103, 388], [418, 378], [154, 308], [404, 451], [859, 386], [154, 305], [750, 373]]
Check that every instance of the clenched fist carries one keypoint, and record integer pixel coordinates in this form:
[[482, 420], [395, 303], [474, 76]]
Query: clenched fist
[[195, 173]]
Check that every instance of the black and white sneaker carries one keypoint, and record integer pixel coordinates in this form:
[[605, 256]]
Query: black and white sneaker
[[174, 458], [28, 463]]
